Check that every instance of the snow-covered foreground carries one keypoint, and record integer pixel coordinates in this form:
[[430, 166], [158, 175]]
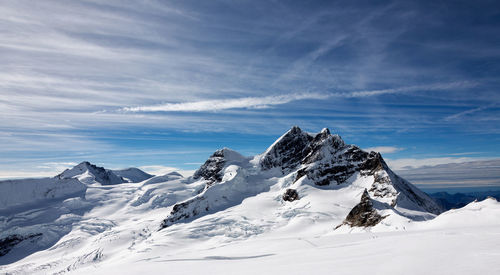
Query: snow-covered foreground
[[119, 235], [282, 211], [433, 250]]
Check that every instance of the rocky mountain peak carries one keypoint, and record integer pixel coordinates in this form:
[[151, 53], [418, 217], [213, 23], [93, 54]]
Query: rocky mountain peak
[[287, 151], [90, 173], [325, 131], [320, 159], [211, 170]]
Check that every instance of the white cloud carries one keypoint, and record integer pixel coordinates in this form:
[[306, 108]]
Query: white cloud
[[263, 102], [224, 104], [385, 149], [430, 87]]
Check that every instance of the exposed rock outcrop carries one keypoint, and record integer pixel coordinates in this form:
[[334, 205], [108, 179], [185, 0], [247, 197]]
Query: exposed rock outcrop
[[185, 210], [290, 195], [212, 168], [363, 214], [9, 242]]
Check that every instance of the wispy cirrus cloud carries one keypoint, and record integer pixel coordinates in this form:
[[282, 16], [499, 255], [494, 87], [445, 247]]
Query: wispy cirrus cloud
[[267, 101], [449, 86], [224, 104], [469, 112]]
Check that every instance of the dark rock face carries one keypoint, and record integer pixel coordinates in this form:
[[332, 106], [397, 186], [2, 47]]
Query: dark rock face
[[288, 152], [212, 168], [185, 210], [363, 214], [332, 143], [290, 195], [325, 158], [339, 163], [7, 243]]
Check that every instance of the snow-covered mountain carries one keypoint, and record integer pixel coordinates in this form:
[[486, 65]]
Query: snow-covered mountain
[[301, 160], [36, 213], [293, 208], [132, 174], [89, 173]]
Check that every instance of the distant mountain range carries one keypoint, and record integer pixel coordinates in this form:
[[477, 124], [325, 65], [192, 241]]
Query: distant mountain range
[[457, 200]]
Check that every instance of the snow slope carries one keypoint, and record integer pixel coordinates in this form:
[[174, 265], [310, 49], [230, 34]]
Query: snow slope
[[423, 248], [132, 174], [230, 217], [32, 191]]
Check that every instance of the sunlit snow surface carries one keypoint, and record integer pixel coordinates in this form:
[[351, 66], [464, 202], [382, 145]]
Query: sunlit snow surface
[[115, 230]]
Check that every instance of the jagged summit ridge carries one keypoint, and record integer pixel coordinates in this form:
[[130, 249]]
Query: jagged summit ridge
[[287, 151]]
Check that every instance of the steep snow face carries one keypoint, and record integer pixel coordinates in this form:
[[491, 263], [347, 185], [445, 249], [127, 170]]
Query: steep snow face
[[228, 178], [32, 191], [132, 174], [235, 186], [90, 174]]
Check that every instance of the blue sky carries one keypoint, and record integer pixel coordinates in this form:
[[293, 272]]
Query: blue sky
[[164, 83]]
